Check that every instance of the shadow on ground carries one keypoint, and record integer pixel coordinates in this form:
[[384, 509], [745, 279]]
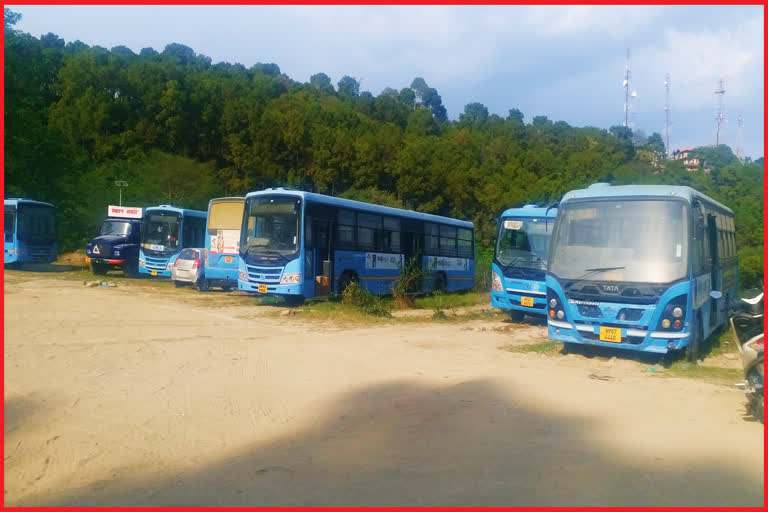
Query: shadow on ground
[[405, 444]]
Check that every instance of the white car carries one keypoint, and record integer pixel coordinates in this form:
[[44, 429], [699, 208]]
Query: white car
[[188, 269]]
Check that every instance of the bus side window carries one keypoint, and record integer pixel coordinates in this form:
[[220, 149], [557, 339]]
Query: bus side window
[[431, 239]]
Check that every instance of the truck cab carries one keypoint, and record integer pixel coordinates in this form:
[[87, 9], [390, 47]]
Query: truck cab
[[117, 246]]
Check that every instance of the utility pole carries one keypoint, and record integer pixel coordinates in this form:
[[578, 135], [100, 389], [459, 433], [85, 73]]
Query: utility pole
[[120, 185], [667, 84], [740, 147], [720, 115]]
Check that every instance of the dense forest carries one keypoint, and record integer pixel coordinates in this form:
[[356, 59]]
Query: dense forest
[[182, 130]]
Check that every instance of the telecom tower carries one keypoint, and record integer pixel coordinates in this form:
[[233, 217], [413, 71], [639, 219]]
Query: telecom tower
[[720, 116], [628, 94], [667, 83], [740, 147]]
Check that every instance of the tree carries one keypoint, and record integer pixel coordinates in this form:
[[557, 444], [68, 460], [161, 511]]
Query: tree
[[656, 144], [474, 114], [348, 87], [322, 83], [11, 18], [515, 116]]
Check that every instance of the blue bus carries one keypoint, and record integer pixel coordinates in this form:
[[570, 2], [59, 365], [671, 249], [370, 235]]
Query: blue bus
[[222, 242], [302, 245], [30, 232], [165, 231], [640, 267], [520, 261]]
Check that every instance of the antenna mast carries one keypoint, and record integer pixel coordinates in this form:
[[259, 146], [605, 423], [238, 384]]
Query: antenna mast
[[740, 147], [628, 94], [667, 84], [720, 116]]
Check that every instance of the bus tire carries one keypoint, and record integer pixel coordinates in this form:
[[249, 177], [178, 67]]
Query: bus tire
[[131, 269], [98, 269], [516, 316], [293, 301], [694, 343], [441, 282], [203, 285], [347, 277]]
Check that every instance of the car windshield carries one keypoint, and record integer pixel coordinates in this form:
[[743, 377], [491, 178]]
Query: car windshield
[[271, 226], [524, 242], [115, 227], [161, 232], [640, 241], [189, 254], [36, 224]]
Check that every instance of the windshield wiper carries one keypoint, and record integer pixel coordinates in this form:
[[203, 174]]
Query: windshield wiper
[[589, 272]]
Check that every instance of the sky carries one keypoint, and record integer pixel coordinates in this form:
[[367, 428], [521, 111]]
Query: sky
[[564, 62]]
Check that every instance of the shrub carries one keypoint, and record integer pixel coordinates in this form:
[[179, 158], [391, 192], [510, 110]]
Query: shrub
[[365, 301], [408, 282]]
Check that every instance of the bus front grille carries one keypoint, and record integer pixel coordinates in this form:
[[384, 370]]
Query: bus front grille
[[264, 274], [156, 263]]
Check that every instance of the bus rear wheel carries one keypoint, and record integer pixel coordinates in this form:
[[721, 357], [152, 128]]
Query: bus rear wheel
[[98, 269], [441, 282]]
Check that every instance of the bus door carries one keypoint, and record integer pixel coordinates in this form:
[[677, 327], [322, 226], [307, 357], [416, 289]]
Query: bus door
[[318, 262], [412, 241], [716, 276]]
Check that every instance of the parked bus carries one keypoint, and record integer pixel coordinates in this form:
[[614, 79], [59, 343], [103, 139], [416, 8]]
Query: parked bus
[[301, 245], [30, 232], [640, 267], [222, 242], [520, 261], [165, 231]]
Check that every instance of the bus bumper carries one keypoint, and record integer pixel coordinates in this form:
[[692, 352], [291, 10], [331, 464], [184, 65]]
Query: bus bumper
[[656, 342], [512, 301], [155, 273], [10, 256], [272, 289]]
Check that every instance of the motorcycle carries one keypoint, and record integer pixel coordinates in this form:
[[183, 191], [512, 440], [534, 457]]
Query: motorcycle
[[747, 324]]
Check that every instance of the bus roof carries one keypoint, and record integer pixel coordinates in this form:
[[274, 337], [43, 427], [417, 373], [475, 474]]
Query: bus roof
[[227, 200], [598, 190], [13, 201], [532, 211], [184, 211], [357, 205]]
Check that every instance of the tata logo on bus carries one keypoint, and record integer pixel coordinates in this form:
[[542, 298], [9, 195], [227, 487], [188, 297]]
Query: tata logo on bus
[[610, 288], [128, 212]]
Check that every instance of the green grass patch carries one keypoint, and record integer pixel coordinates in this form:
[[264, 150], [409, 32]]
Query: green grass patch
[[708, 373], [452, 300], [549, 347]]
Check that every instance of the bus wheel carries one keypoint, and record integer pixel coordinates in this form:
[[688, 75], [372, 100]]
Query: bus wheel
[[347, 278], [694, 343], [516, 316], [226, 288], [293, 301], [203, 285], [131, 269], [98, 269], [440, 282]]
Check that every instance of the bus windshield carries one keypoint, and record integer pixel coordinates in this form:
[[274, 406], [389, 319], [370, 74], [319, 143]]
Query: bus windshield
[[271, 226], [36, 224], [523, 243], [115, 227], [640, 241], [161, 232], [10, 223]]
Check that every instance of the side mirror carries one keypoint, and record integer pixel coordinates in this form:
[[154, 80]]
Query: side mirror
[[715, 294]]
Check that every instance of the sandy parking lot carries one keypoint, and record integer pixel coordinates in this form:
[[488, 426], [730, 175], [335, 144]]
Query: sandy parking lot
[[148, 395]]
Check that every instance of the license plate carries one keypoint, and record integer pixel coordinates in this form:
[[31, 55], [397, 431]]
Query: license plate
[[154, 272], [526, 301], [612, 334], [262, 288], [228, 259], [87, 259]]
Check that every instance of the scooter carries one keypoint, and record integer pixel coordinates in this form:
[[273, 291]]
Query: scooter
[[747, 323]]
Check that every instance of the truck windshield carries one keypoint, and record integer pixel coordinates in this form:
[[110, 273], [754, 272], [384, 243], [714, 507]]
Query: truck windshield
[[115, 227], [36, 224], [639, 241], [523, 243], [161, 232], [271, 226]]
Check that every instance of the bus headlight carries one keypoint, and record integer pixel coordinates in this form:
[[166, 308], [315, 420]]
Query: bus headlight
[[497, 286], [553, 303], [677, 312], [560, 314], [242, 275], [665, 323], [290, 278], [169, 266], [141, 263]]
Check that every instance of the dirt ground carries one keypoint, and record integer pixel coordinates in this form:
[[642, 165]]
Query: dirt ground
[[143, 394]]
